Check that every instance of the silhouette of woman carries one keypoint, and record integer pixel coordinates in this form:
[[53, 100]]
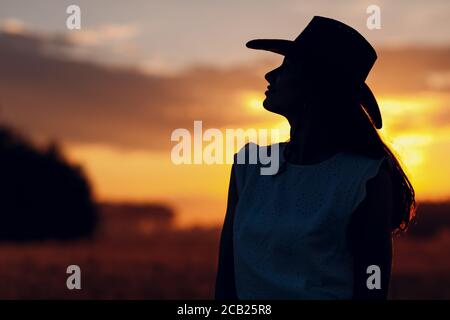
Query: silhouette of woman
[[321, 227]]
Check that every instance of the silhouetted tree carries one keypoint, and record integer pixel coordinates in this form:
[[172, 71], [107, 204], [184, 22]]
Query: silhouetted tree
[[41, 195]]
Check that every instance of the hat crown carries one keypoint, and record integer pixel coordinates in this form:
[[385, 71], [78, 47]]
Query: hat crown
[[337, 44]]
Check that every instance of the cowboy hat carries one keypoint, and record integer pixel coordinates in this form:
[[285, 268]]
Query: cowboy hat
[[342, 49]]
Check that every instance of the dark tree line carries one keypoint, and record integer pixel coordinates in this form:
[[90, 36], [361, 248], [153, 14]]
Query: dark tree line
[[42, 196]]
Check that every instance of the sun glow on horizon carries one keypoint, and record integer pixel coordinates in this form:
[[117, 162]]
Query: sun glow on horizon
[[140, 175], [252, 101]]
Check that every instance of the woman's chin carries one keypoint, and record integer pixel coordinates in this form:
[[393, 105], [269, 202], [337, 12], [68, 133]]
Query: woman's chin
[[268, 104], [271, 107]]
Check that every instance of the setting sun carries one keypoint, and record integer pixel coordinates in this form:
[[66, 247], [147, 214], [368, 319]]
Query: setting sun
[[253, 101]]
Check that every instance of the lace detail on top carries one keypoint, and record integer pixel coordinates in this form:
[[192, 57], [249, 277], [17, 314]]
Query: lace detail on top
[[289, 233]]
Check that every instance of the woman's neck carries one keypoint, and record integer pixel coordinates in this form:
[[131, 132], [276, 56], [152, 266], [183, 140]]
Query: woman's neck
[[310, 144]]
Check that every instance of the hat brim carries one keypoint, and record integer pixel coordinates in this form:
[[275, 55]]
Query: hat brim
[[369, 103], [283, 47], [274, 45]]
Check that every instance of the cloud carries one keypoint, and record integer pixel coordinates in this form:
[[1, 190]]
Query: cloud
[[158, 65], [103, 44], [49, 95], [12, 25], [408, 70], [439, 80], [75, 101], [103, 34]]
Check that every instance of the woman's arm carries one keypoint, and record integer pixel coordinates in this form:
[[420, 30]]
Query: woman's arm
[[225, 283], [371, 236]]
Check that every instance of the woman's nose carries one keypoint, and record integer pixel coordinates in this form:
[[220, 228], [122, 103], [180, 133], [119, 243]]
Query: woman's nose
[[272, 75]]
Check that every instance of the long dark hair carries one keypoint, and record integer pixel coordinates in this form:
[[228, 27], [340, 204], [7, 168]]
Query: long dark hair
[[353, 131]]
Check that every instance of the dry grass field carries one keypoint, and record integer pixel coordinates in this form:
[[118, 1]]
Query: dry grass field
[[142, 263]]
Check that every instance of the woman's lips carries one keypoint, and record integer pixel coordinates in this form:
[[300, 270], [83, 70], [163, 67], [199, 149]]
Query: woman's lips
[[269, 90]]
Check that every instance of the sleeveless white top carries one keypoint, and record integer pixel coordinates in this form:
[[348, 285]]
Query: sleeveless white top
[[289, 233]]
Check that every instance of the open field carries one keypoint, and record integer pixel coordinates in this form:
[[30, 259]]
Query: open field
[[170, 264]]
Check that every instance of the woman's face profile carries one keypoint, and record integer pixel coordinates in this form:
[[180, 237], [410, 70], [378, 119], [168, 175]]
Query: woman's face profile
[[285, 93]]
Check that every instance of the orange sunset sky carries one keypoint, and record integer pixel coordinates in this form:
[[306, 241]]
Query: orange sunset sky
[[111, 93]]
